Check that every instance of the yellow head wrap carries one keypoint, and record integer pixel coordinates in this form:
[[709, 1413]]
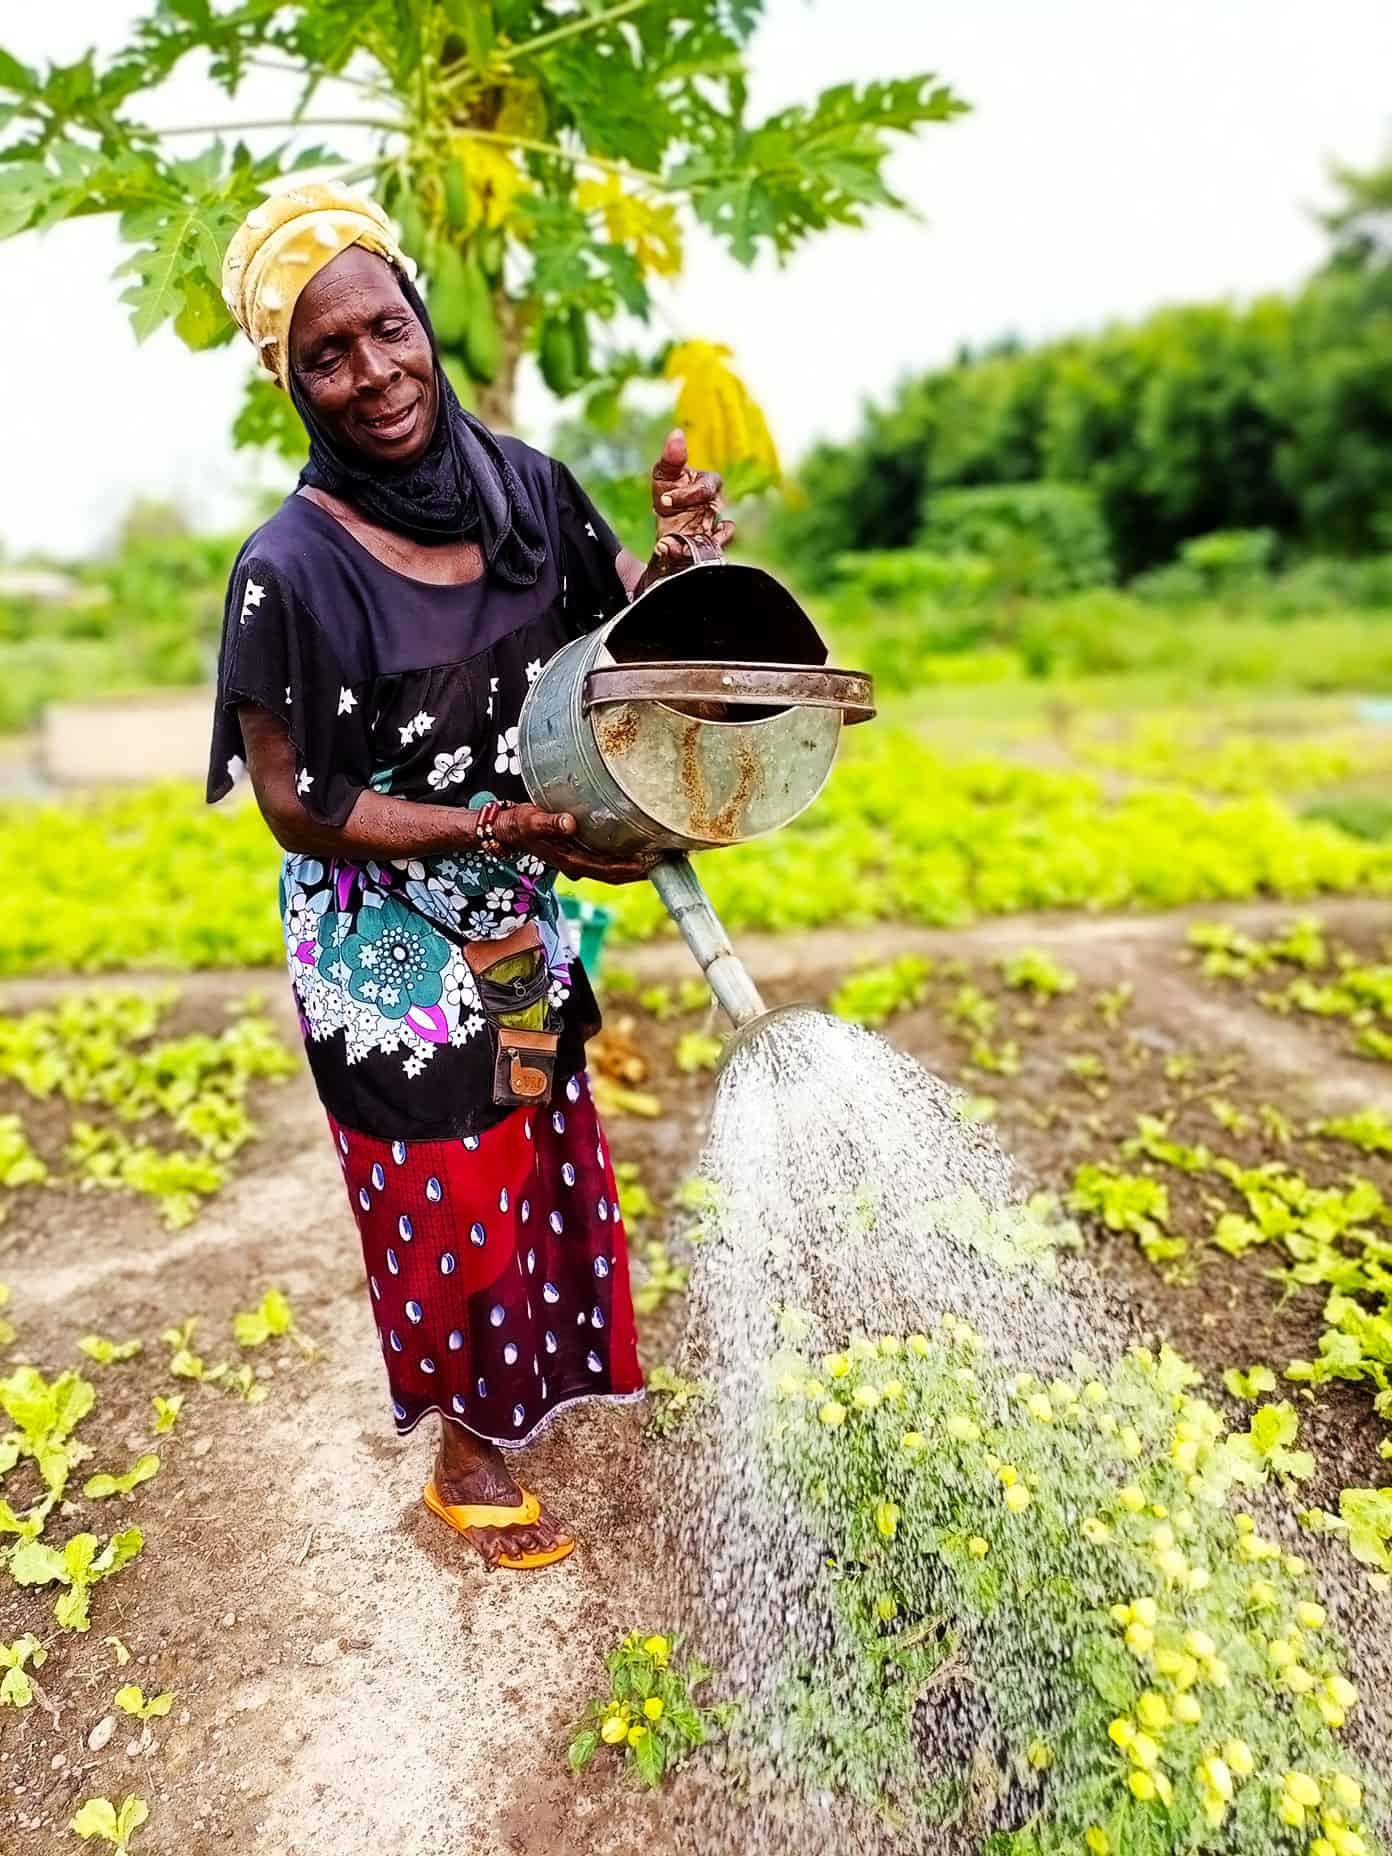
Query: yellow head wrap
[[284, 242]]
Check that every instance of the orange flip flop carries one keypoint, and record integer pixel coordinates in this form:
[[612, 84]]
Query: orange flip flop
[[464, 1515]]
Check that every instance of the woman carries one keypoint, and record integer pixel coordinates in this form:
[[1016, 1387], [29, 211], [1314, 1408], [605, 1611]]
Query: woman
[[380, 634]]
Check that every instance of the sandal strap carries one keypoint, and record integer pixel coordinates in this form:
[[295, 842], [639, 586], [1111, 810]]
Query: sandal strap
[[486, 1514]]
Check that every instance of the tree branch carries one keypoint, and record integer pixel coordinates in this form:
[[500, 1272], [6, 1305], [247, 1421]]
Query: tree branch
[[591, 23], [274, 122]]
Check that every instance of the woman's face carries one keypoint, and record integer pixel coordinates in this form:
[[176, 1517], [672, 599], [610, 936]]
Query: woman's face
[[363, 360]]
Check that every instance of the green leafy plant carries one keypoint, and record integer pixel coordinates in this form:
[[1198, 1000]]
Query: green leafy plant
[[1266, 1446], [674, 1401], [7, 1332], [98, 1487], [19, 1164], [166, 1411], [1251, 1383], [98, 1817], [16, 1691], [976, 1519], [1369, 1129], [1128, 1202], [131, 1700], [273, 1317], [697, 1050], [873, 995], [1034, 971], [649, 1717], [79, 1566], [108, 1352], [45, 1414]]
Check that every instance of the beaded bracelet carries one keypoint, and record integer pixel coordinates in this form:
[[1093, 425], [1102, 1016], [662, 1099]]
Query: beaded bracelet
[[484, 820]]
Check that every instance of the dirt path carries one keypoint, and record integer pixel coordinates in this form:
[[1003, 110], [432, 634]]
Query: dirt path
[[346, 1677]]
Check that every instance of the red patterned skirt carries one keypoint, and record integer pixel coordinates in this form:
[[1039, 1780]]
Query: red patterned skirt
[[498, 1269]]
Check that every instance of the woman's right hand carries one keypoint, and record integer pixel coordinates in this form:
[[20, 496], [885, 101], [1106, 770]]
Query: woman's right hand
[[551, 837]]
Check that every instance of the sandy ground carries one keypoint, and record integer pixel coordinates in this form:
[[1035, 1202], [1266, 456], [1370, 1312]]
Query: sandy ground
[[346, 1676]]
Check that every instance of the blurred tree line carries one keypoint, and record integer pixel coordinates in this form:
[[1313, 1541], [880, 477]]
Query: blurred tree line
[[1276, 415]]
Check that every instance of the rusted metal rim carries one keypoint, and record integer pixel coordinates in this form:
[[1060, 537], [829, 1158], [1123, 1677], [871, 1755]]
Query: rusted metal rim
[[755, 1027], [788, 686]]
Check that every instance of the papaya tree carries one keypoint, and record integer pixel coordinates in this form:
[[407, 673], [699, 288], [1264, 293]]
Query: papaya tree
[[544, 160]]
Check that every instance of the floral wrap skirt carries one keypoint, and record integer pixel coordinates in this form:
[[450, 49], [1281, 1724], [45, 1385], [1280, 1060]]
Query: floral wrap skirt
[[498, 1269]]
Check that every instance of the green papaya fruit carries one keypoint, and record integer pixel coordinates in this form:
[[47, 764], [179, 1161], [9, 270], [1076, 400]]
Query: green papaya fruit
[[556, 352], [482, 344], [408, 217], [456, 195], [580, 338], [491, 245], [450, 301]]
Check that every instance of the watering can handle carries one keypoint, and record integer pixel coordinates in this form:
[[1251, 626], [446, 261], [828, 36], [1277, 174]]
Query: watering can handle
[[763, 686], [705, 550]]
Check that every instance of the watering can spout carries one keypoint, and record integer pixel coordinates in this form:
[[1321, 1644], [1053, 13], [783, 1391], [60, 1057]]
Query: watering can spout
[[699, 926]]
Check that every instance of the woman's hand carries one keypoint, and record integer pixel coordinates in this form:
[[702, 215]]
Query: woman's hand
[[686, 503], [551, 837]]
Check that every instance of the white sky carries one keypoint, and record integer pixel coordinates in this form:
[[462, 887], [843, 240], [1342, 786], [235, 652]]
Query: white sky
[[1122, 153]]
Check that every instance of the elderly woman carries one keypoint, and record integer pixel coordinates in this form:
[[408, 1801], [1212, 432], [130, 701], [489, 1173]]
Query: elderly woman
[[380, 635]]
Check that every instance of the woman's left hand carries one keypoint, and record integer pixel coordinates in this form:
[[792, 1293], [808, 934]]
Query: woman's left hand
[[686, 503]]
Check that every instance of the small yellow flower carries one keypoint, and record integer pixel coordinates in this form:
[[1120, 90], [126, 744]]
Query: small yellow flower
[[1290, 1811], [653, 1707], [1140, 1639], [1008, 1474], [1040, 1408], [1198, 1579], [1040, 1755], [917, 1345], [866, 1397], [1179, 1666], [978, 1546], [892, 1392], [1162, 1537], [1130, 1498], [1262, 1595], [1346, 1842], [1341, 1691], [614, 1730], [836, 1365], [813, 1390], [1237, 1756], [962, 1429], [1347, 1792], [1096, 1531], [1216, 1776], [1298, 1680], [1122, 1731], [1186, 1708], [832, 1414], [1143, 1752], [1142, 1786], [1332, 1715], [1097, 1840], [1172, 1565], [887, 1518], [890, 1345], [1215, 1670], [1310, 1616], [1323, 1847], [1094, 1392], [1153, 1711], [1145, 1611], [1301, 1787], [1293, 1566], [1129, 1442], [637, 1734], [789, 1385], [1279, 1653], [1018, 1498], [659, 1649], [887, 1607], [911, 1441], [863, 1348], [1199, 1643]]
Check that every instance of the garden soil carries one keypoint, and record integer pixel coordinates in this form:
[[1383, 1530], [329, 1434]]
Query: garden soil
[[346, 1675]]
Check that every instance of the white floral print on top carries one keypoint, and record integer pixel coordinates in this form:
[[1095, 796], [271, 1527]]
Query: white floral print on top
[[507, 761], [450, 769]]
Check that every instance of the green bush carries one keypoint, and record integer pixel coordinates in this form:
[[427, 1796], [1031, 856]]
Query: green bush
[[1184, 1691], [1037, 537]]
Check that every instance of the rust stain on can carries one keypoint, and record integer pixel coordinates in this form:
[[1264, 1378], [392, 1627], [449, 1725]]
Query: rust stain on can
[[616, 730], [720, 826]]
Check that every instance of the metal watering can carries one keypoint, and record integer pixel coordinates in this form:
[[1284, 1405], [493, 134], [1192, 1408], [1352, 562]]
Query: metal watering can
[[704, 714]]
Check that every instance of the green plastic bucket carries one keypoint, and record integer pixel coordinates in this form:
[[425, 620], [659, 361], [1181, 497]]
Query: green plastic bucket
[[588, 923]]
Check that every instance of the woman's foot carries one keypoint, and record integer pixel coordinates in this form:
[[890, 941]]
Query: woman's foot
[[468, 1471]]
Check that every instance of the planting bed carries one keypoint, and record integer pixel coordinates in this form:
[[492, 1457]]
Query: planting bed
[[345, 1676]]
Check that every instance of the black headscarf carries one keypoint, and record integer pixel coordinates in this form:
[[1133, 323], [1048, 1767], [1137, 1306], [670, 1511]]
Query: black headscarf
[[462, 487]]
